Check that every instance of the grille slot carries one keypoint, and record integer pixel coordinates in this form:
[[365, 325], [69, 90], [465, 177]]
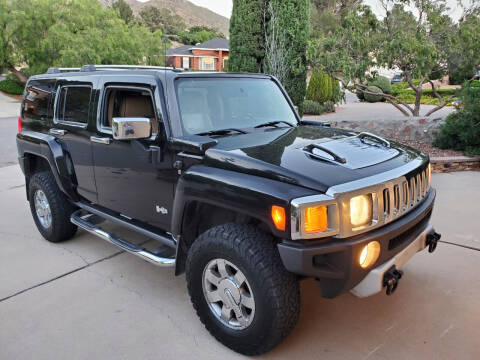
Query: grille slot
[[386, 202], [396, 199]]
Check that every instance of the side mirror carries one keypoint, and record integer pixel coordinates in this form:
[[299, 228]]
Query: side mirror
[[125, 128]]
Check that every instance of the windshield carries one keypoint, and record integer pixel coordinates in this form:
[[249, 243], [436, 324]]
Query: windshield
[[213, 104]]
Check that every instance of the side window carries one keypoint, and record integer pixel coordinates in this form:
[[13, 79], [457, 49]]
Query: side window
[[120, 102], [37, 97], [73, 104]]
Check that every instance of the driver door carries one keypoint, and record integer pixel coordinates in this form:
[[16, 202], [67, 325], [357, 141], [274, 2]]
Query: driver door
[[134, 177]]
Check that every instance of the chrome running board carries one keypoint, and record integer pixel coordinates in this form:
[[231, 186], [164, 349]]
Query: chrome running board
[[80, 218]]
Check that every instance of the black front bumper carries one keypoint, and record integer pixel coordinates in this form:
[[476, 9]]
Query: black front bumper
[[335, 261]]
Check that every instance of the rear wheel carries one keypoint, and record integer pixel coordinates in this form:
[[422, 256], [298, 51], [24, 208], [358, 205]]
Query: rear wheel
[[240, 288], [50, 208]]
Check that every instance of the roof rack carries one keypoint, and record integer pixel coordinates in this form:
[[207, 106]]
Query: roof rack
[[55, 70], [123, 67], [89, 68]]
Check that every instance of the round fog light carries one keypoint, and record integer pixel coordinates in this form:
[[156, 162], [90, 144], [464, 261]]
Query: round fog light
[[369, 254]]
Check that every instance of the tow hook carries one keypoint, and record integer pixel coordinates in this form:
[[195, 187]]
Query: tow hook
[[391, 279], [432, 240]]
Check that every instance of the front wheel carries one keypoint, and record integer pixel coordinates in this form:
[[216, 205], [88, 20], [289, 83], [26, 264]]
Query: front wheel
[[240, 288]]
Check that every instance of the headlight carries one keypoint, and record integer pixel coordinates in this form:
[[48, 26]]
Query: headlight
[[361, 210]]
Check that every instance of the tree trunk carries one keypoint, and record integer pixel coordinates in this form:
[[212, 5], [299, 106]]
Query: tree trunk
[[20, 76]]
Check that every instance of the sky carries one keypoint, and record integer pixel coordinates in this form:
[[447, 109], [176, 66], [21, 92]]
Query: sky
[[224, 7]]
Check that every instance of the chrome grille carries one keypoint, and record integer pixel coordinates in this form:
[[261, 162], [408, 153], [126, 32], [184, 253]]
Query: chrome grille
[[399, 197]]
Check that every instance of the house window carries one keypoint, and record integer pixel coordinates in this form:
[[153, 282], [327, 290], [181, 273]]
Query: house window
[[207, 63], [225, 63], [186, 62]]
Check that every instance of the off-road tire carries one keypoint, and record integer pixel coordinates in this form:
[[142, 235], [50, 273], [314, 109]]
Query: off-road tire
[[276, 291], [61, 228]]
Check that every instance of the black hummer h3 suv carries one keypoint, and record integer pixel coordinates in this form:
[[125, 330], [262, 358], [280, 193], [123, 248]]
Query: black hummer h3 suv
[[239, 192]]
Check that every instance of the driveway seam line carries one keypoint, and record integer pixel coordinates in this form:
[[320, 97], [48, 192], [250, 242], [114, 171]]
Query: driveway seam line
[[61, 276]]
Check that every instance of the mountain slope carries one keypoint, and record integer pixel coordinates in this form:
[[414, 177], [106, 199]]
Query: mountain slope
[[191, 14]]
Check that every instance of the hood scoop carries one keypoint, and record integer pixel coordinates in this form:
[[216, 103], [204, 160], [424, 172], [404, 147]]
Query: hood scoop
[[354, 152]]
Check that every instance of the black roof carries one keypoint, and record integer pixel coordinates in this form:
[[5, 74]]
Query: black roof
[[213, 44]]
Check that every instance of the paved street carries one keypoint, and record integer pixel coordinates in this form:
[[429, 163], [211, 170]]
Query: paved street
[[83, 299], [352, 111]]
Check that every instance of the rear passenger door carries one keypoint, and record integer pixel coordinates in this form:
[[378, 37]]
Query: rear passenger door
[[73, 108]]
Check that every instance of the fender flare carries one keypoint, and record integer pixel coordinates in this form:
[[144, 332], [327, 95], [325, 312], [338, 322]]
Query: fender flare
[[238, 192], [46, 146]]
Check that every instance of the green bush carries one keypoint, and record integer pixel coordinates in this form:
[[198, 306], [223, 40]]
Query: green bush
[[475, 84], [428, 92], [461, 130], [338, 94], [383, 83], [399, 86], [329, 106], [373, 98], [320, 87], [312, 108], [425, 99], [11, 87]]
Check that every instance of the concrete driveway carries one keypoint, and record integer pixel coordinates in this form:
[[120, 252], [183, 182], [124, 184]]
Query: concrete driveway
[[85, 299], [9, 111]]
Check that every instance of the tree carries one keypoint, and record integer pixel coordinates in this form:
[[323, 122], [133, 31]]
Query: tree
[[198, 34], [247, 36], [161, 19], [464, 55], [416, 42], [124, 10], [271, 36], [8, 57], [45, 33]]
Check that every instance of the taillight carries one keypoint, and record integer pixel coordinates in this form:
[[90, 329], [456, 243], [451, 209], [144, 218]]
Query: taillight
[[19, 124]]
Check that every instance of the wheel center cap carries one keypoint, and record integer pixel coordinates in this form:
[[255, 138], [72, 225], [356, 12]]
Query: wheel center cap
[[229, 293]]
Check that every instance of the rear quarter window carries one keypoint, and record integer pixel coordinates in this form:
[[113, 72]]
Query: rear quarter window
[[73, 104], [37, 100]]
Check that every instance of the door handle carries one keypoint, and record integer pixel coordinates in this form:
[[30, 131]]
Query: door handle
[[101, 140], [57, 132]]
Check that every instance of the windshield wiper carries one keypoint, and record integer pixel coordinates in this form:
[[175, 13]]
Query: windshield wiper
[[222, 132], [274, 123]]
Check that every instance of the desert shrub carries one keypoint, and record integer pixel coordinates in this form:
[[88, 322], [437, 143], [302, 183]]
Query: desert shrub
[[373, 98], [320, 87], [312, 107], [11, 87], [383, 83], [461, 130], [329, 106]]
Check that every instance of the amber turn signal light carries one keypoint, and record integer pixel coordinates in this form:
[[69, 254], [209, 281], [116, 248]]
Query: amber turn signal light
[[316, 219], [278, 217]]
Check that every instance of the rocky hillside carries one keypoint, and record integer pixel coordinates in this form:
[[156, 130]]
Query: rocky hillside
[[191, 14]]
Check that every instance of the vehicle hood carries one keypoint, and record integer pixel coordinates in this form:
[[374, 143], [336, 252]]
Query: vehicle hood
[[303, 155]]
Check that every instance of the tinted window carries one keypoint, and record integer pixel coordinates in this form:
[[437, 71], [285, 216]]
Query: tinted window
[[73, 104], [212, 104], [37, 97]]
